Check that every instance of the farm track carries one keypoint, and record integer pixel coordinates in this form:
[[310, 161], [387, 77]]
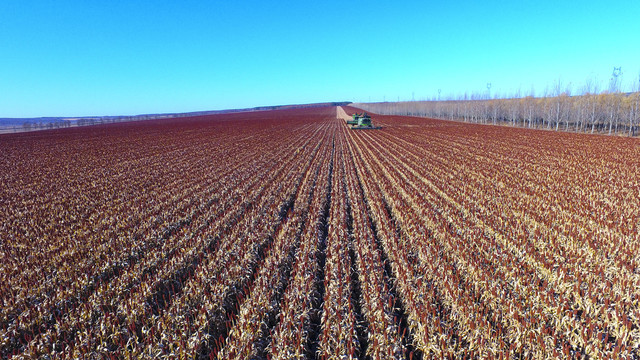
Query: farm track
[[284, 234]]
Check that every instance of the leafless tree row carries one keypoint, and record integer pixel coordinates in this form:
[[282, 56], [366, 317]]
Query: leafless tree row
[[608, 112]]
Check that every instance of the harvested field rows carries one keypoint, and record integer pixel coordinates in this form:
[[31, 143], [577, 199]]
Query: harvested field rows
[[283, 234]]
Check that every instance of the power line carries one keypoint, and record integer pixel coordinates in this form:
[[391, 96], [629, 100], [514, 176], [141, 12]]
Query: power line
[[617, 72]]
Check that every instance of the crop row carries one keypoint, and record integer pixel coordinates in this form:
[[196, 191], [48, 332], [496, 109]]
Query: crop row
[[287, 235], [116, 306], [532, 285]]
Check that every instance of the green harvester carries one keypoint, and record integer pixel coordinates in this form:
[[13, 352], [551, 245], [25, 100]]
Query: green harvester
[[361, 122]]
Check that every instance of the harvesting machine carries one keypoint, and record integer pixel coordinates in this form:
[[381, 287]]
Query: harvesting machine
[[361, 122]]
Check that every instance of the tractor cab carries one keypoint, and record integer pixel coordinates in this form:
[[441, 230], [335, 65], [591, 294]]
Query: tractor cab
[[361, 122]]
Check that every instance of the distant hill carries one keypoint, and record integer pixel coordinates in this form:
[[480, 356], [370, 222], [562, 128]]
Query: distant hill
[[42, 123]]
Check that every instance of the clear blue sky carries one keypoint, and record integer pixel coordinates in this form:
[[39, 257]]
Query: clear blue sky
[[75, 58]]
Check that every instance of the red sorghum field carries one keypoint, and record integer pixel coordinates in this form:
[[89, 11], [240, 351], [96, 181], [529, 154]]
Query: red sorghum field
[[283, 234]]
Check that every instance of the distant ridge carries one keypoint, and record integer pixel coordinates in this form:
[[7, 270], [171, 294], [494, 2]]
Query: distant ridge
[[262, 108], [42, 123]]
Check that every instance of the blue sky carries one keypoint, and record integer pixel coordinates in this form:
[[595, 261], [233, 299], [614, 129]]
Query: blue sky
[[77, 58]]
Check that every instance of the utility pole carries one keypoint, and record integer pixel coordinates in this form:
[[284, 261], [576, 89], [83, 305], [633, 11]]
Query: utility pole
[[613, 85], [488, 90], [439, 91]]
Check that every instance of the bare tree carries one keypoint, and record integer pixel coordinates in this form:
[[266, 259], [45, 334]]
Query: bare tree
[[634, 102], [591, 110], [612, 104], [557, 92], [566, 101]]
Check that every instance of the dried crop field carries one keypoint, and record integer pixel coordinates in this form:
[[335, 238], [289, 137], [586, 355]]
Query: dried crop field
[[283, 234]]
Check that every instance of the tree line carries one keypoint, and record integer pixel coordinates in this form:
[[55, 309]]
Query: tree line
[[608, 112]]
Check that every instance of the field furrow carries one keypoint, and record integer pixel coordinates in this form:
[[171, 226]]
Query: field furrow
[[286, 234]]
